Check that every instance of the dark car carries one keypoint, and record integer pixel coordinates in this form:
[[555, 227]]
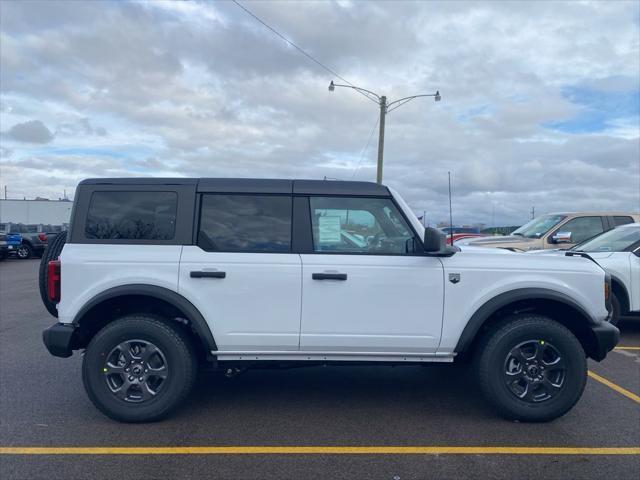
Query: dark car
[[4, 248], [33, 238]]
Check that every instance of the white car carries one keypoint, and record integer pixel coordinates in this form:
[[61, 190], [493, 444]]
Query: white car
[[160, 275], [618, 252]]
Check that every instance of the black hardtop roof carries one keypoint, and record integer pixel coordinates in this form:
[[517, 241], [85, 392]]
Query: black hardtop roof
[[255, 185]]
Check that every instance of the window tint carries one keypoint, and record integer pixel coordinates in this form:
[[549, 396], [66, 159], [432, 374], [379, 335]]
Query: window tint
[[616, 240], [359, 225], [132, 216], [537, 227], [622, 220], [582, 228], [245, 223]]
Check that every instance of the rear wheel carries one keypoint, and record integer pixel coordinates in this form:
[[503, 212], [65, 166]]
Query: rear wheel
[[139, 368], [532, 368]]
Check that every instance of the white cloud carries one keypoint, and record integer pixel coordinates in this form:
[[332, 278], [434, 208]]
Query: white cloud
[[202, 89]]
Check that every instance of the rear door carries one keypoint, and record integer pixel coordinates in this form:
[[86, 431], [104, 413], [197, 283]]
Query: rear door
[[241, 275], [365, 288]]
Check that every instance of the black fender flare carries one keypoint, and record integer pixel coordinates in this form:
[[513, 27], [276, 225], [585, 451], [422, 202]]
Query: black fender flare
[[198, 323], [627, 299], [502, 300]]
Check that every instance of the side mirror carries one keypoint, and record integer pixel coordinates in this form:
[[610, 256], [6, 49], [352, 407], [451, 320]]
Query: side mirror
[[434, 240], [562, 237]]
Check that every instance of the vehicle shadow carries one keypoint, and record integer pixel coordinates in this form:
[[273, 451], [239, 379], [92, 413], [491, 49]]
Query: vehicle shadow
[[342, 392]]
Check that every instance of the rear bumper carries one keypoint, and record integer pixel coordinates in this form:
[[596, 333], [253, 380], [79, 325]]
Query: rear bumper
[[606, 337], [59, 339]]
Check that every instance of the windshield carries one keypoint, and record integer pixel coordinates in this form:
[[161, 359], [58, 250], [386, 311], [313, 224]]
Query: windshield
[[539, 226], [616, 240]]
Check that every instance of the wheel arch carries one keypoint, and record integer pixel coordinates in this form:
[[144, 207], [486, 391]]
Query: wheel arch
[[621, 293], [553, 304], [140, 298]]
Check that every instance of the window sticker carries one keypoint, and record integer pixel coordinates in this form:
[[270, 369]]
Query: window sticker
[[329, 230]]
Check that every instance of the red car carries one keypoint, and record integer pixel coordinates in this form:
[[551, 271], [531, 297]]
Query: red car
[[458, 236]]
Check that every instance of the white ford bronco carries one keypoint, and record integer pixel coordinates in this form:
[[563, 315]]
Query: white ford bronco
[[160, 276]]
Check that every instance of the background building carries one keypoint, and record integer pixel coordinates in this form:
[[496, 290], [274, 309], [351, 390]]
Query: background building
[[54, 212]]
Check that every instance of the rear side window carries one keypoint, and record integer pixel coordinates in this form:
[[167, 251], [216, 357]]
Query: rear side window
[[132, 216], [620, 220], [245, 223]]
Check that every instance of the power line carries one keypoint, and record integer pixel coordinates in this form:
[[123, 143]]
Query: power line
[[364, 150], [294, 45]]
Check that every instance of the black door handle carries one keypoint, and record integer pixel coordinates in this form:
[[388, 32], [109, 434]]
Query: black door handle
[[329, 276], [205, 274]]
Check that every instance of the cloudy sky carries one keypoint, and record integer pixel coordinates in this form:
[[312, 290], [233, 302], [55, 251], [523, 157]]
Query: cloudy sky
[[540, 100]]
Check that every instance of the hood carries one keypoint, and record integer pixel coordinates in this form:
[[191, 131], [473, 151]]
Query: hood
[[552, 251], [474, 249], [515, 242], [506, 239], [560, 252], [490, 259]]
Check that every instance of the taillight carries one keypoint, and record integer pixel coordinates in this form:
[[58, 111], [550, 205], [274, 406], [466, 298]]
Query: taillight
[[53, 281], [42, 237]]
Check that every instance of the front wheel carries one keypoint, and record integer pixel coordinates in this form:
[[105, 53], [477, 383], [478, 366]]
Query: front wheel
[[532, 368], [139, 368]]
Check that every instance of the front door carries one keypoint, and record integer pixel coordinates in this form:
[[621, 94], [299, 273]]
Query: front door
[[241, 275], [365, 288]]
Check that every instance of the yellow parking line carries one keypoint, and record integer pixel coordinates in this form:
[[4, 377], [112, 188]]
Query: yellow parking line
[[318, 450], [615, 387], [627, 348]]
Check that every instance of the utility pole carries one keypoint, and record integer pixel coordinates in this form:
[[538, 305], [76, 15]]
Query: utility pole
[[493, 217], [533, 212], [383, 114], [384, 109], [450, 211]]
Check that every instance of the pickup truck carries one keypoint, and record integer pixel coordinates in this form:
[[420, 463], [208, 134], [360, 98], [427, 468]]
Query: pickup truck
[[557, 230], [157, 277], [33, 238]]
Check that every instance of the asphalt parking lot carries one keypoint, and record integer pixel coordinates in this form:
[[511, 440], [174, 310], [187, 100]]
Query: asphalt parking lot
[[358, 422]]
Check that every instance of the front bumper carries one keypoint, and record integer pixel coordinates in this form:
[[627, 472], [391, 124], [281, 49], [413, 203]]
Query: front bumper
[[60, 339], [605, 338]]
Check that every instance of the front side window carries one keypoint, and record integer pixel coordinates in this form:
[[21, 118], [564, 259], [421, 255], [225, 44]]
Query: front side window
[[245, 223], [132, 216], [359, 225], [582, 228]]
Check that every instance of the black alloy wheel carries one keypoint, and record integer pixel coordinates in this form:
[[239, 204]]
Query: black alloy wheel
[[136, 370], [534, 371]]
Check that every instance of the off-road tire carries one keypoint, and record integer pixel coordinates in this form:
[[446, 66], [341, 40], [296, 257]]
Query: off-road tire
[[169, 338], [520, 329]]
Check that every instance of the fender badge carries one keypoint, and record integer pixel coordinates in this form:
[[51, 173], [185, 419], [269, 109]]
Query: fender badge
[[454, 277]]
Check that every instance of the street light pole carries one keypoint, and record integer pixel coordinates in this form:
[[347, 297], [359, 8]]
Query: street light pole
[[384, 109], [383, 114]]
